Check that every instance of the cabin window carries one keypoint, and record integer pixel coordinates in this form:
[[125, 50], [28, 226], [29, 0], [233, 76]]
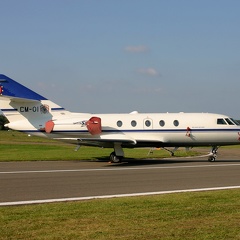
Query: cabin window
[[119, 123], [133, 123], [147, 123], [161, 123], [221, 121], [229, 121], [175, 123]]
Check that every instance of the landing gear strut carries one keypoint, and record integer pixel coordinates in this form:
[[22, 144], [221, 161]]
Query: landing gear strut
[[118, 154], [213, 154]]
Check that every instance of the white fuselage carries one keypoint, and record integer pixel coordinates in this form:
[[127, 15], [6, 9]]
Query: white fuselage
[[144, 129]]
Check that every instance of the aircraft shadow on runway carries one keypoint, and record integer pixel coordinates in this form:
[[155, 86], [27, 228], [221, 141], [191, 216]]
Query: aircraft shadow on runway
[[134, 162]]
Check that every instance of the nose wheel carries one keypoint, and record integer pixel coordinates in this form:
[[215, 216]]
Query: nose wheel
[[213, 154], [212, 159]]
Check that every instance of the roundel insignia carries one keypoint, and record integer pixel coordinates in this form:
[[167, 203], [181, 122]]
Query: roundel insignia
[[44, 108]]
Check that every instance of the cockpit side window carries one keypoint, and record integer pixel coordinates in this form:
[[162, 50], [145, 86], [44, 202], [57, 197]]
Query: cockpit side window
[[221, 121], [236, 122], [229, 121]]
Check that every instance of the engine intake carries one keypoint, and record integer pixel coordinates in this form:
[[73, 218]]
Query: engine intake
[[94, 125]]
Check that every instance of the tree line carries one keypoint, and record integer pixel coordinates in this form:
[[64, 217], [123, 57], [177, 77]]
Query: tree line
[[3, 121]]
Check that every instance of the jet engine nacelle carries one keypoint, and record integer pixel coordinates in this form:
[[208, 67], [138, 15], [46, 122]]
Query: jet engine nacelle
[[49, 125], [94, 125]]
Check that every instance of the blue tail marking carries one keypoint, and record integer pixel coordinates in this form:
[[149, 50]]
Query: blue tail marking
[[11, 88]]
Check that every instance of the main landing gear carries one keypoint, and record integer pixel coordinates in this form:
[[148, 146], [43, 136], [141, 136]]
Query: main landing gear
[[118, 154], [114, 158], [213, 154]]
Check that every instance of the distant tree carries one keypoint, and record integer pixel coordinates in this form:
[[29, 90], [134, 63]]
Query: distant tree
[[3, 121]]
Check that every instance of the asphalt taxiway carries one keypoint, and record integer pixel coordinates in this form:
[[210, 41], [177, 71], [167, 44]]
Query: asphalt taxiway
[[39, 181]]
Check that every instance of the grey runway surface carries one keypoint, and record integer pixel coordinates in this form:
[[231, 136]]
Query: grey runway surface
[[30, 181]]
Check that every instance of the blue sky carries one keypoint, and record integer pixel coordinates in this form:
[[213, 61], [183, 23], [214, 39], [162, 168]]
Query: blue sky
[[106, 56]]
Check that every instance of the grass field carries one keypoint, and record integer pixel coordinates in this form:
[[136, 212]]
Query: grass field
[[202, 215], [15, 146]]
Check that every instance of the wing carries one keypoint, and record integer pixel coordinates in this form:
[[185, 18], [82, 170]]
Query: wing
[[107, 140]]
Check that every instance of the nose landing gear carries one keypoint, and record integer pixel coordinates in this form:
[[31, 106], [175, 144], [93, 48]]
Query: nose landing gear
[[213, 154]]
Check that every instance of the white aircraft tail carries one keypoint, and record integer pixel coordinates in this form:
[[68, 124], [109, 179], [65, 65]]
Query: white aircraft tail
[[20, 104]]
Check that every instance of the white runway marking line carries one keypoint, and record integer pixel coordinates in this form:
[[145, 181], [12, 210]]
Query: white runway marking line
[[114, 196], [117, 169]]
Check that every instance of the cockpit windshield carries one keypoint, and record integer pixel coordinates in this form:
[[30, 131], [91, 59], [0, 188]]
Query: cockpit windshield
[[236, 122], [227, 121]]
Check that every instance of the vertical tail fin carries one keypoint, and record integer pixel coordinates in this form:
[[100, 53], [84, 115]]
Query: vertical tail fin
[[13, 89], [25, 108]]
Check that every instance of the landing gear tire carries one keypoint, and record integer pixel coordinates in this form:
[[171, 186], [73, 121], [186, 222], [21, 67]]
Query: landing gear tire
[[114, 158], [212, 159]]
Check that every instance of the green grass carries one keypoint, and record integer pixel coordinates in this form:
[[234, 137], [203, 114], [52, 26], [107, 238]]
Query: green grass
[[15, 146], [15, 137], [203, 215]]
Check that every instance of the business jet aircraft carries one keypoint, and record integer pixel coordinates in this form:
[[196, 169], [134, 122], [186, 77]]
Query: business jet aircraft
[[29, 112]]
